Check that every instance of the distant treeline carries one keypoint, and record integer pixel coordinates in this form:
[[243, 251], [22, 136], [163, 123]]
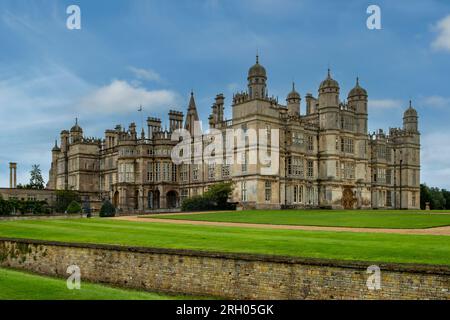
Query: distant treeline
[[439, 199]]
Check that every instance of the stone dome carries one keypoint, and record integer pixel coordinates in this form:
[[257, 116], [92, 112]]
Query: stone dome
[[56, 148], [410, 112], [357, 90], [257, 70], [76, 127], [329, 82], [293, 94]]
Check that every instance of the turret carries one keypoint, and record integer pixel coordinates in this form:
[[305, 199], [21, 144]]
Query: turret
[[65, 140], [411, 120], [55, 151], [257, 78], [357, 100], [329, 103], [220, 101], [293, 102], [76, 133]]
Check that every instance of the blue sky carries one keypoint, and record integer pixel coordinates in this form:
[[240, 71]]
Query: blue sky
[[154, 52]]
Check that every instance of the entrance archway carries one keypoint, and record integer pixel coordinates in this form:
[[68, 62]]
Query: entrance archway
[[150, 200], [348, 200], [116, 199], [172, 200], [156, 196], [136, 200]]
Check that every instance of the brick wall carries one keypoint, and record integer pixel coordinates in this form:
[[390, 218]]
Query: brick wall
[[236, 276]]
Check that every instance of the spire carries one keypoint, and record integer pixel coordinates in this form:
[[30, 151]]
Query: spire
[[357, 81], [192, 101], [293, 86], [257, 58], [192, 115], [410, 103], [329, 73]]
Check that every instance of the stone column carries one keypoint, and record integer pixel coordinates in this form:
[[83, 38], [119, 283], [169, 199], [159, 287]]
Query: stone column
[[12, 175]]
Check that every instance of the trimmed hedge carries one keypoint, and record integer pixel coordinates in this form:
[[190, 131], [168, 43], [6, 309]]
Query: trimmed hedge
[[74, 207], [216, 198], [107, 210]]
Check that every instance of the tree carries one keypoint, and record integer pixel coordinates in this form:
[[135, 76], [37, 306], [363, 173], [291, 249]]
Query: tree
[[36, 180], [219, 194], [446, 195], [425, 196]]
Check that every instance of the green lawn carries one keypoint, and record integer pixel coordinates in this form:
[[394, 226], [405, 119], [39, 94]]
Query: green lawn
[[362, 219], [327, 245], [15, 285]]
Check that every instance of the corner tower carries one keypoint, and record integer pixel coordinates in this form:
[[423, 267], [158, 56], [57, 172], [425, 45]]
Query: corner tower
[[357, 100], [329, 103]]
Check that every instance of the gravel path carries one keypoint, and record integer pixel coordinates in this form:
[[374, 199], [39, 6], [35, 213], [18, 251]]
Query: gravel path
[[438, 231]]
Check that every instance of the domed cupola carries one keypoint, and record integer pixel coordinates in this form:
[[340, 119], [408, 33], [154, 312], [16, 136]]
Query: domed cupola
[[56, 148], [329, 83], [293, 101], [357, 91], [410, 112], [76, 128], [293, 95], [257, 78], [410, 119], [76, 133], [257, 70]]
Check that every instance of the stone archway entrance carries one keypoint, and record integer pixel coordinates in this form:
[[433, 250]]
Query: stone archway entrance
[[348, 200], [172, 200], [156, 197], [136, 200], [116, 199]]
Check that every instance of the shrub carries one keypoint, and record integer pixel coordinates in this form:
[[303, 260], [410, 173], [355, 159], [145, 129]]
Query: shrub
[[216, 198], [5, 208], [74, 207], [64, 198], [107, 210], [197, 203]]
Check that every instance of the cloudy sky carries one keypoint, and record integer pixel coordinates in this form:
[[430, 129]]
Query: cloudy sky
[[154, 52]]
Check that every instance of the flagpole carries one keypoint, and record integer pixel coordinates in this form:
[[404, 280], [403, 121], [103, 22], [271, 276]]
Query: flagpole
[[142, 116]]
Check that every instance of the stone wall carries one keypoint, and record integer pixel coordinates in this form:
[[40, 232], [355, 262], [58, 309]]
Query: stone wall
[[235, 276]]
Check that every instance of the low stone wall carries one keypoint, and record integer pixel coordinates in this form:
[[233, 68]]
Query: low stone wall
[[235, 276]]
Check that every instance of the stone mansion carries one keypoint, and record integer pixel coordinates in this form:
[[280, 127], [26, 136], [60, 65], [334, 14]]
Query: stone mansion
[[327, 157]]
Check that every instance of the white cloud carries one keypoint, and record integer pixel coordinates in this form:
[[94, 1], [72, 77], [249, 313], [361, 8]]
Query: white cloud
[[121, 97], [442, 41], [435, 155], [385, 104], [146, 74], [435, 101]]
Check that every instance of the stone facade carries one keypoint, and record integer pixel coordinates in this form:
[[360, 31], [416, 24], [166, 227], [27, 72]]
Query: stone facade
[[233, 276], [28, 195], [327, 156]]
